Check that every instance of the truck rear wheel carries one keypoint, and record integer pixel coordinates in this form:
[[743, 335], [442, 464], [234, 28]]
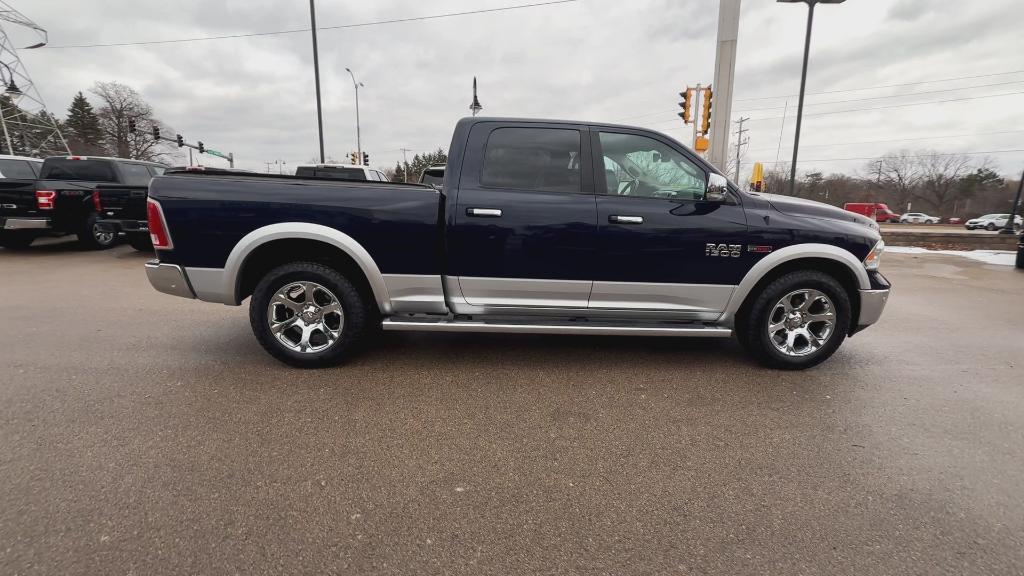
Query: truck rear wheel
[[95, 238], [140, 242], [797, 321], [308, 315]]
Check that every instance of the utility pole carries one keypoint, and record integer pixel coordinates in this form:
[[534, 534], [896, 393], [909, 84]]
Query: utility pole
[[1011, 220], [405, 160], [739, 145], [316, 78], [268, 163], [725, 71]]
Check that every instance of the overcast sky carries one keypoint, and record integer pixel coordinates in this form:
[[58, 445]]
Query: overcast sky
[[600, 60]]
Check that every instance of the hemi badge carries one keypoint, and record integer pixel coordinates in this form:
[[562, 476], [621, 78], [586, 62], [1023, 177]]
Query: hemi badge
[[758, 249]]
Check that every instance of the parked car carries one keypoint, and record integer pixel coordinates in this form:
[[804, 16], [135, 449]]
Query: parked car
[[552, 227], [955, 220], [340, 172], [918, 218], [877, 211], [122, 207], [992, 222], [433, 176], [19, 167], [61, 202]]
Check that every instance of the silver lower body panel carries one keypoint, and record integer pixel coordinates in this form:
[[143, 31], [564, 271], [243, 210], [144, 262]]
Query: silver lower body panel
[[168, 278], [509, 327], [872, 303], [26, 224]]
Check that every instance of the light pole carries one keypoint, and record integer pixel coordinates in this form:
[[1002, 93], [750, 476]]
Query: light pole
[[357, 86], [316, 77], [803, 82]]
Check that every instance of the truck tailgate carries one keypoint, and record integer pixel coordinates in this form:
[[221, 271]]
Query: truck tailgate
[[122, 202], [17, 197]]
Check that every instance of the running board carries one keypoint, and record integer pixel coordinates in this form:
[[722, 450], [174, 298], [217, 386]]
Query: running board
[[600, 328]]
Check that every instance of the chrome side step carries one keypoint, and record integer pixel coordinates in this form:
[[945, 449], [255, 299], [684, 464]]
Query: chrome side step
[[602, 328]]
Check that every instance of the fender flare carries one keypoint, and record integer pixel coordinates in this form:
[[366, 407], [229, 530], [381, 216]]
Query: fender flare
[[787, 254], [305, 231]]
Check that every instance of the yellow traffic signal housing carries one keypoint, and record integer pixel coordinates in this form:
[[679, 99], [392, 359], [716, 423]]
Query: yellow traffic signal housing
[[701, 144], [686, 105], [757, 177], [705, 114]]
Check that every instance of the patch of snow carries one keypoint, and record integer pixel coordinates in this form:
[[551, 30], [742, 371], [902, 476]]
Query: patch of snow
[[998, 257]]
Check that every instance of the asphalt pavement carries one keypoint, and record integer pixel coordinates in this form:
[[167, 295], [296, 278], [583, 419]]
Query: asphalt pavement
[[146, 434]]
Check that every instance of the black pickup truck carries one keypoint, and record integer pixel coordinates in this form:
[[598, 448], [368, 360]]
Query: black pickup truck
[[541, 226], [61, 201]]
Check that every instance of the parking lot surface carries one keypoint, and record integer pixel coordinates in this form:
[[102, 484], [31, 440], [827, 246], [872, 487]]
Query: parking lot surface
[[146, 434]]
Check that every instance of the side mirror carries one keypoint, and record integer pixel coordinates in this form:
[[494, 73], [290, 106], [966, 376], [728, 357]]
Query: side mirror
[[717, 189]]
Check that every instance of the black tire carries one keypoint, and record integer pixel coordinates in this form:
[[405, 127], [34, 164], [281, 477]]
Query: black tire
[[751, 329], [1020, 257], [16, 240], [990, 227], [140, 243], [92, 238], [355, 314]]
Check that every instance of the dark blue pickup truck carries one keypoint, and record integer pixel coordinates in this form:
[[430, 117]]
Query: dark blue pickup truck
[[542, 227]]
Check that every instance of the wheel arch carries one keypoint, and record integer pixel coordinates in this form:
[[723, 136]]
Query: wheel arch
[[267, 247], [837, 262]]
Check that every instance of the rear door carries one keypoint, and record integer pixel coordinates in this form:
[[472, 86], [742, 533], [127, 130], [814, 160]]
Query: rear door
[[525, 223], [661, 245]]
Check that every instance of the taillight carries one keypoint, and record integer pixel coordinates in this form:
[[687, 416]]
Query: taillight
[[96, 201], [158, 232], [45, 199]]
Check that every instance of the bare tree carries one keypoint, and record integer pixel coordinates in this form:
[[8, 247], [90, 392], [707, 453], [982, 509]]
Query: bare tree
[[121, 107], [897, 175], [941, 180]]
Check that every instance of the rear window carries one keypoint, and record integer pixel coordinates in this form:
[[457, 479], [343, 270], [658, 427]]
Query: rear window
[[331, 172], [435, 177], [136, 174], [541, 159], [16, 169], [87, 170]]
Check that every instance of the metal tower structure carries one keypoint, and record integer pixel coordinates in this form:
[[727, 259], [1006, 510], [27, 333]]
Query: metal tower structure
[[475, 106], [28, 128]]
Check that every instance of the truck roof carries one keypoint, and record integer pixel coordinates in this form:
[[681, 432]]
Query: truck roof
[[132, 160]]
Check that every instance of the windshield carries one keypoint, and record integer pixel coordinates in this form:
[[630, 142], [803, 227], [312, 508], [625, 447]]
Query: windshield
[[87, 170]]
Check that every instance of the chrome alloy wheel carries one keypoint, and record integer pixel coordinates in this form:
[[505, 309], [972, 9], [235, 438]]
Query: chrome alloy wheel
[[102, 238], [801, 322], [305, 317]]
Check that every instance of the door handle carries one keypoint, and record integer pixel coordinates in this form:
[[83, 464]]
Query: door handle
[[615, 219], [484, 212]]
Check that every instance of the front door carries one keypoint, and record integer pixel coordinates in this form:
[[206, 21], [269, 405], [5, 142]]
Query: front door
[[661, 245], [524, 230]]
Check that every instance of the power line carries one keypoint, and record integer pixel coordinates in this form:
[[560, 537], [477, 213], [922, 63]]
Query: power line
[[884, 86], [898, 105], [300, 30], [903, 156], [896, 140]]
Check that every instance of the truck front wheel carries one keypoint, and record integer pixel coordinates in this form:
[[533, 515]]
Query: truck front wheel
[[308, 315], [797, 321]]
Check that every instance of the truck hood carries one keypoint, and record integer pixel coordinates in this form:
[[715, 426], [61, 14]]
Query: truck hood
[[801, 207]]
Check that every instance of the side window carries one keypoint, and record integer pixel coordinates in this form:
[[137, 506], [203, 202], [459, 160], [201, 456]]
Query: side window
[[16, 169], [382, 177], [136, 174], [646, 168], [541, 159]]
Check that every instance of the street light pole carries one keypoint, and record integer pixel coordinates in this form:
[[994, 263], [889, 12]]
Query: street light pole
[[357, 85], [803, 84], [316, 76]]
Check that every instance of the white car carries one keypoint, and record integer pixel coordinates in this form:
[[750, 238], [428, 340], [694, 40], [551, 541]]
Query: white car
[[918, 218], [992, 222], [21, 167]]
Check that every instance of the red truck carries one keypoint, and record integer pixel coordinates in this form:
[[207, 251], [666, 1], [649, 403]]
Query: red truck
[[877, 211]]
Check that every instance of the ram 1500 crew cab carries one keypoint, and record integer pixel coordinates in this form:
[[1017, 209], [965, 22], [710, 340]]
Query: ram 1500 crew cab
[[541, 227]]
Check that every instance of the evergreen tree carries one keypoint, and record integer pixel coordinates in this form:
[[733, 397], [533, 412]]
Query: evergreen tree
[[83, 127]]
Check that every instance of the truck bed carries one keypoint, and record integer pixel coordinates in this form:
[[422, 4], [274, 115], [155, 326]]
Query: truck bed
[[208, 213]]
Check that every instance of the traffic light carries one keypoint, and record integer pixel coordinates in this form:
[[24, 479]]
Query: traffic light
[[705, 114], [201, 147], [156, 132], [353, 157], [131, 126], [686, 105], [181, 140], [366, 159]]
